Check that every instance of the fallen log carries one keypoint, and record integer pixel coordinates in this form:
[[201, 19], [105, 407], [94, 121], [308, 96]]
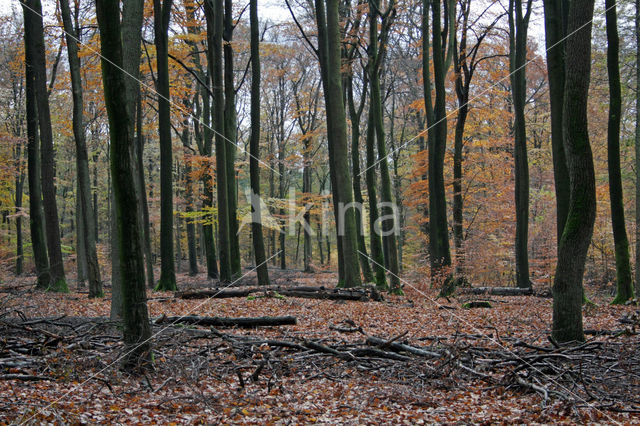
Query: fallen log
[[323, 293], [228, 322], [498, 291]]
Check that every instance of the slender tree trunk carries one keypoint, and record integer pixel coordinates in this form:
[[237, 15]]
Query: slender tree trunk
[[637, 146], [230, 132], [18, 205], [388, 216], [576, 236], [142, 189], [623, 267], [162, 14], [518, 25], [33, 24], [116, 275], [86, 227], [254, 148], [437, 122], [374, 230], [137, 331], [215, 12], [355, 115], [81, 254], [189, 200], [36, 212]]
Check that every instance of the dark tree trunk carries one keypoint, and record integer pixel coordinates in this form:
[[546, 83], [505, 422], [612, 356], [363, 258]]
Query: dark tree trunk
[[355, 116], [214, 11], [437, 124], [623, 267], [518, 25], [142, 189], [637, 146], [576, 236], [189, 201], [230, 132], [86, 227], [162, 14], [36, 212], [18, 205], [254, 148], [33, 24], [137, 331], [377, 256], [377, 46]]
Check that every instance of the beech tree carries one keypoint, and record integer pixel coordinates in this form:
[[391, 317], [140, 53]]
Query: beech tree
[[518, 26], [329, 54], [556, 13], [576, 236], [254, 166], [86, 226], [443, 35], [162, 15], [35, 52], [36, 210], [137, 330], [621, 242]]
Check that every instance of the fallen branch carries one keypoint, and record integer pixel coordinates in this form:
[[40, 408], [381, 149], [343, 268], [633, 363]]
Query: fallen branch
[[498, 291], [228, 322]]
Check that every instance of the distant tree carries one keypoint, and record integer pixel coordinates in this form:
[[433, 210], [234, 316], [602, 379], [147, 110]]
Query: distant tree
[[214, 11], [377, 50], [518, 27], [576, 236], [161, 15], [254, 149], [623, 267], [33, 24], [86, 227], [637, 146], [36, 210]]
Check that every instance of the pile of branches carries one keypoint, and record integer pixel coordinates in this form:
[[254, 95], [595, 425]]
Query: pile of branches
[[41, 348], [603, 372]]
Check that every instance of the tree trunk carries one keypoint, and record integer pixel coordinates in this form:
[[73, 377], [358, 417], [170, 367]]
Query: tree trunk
[[377, 256], [637, 146], [518, 25], [576, 236], [36, 212], [230, 132], [555, 21], [355, 115], [144, 204], [214, 12], [254, 148], [437, 124], [388, 216], [137, 331], [33, 24], [623, 267], [18, 205], [162, 14], [86, 227]]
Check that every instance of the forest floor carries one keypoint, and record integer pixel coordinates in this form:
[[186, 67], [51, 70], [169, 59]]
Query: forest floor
[[496, 365]]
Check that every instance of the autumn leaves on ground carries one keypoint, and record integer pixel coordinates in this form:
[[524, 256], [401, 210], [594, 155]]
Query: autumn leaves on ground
[[205, 375]]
